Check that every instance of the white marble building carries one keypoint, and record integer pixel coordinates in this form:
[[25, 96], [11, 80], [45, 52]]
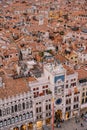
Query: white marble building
[[28, 103]]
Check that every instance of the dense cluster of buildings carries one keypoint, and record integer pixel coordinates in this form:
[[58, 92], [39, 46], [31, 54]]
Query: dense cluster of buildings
[[43, 62]]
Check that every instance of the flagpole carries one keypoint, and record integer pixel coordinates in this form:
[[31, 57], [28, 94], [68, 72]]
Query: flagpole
[[52, 113]]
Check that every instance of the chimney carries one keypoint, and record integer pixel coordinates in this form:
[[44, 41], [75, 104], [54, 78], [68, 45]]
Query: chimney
[[18, 68]]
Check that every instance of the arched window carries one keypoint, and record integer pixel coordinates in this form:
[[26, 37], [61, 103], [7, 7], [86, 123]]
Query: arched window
[[24, 116], [16, 119], [31, 114], [27, 105], [12, 120], [74, 99], [5, 122], [9, 121], [1, 124], [12, 109], [19, 107], [27, 115], [77, 98], [15, 108], [23, 104], [8, 110], [67, 101], [20, 117], [0, 112], [4, 112], [30, 104]]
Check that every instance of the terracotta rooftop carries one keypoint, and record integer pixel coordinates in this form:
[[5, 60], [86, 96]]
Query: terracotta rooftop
[[82, 73], [13, 87], [69, 70], [61, 58]]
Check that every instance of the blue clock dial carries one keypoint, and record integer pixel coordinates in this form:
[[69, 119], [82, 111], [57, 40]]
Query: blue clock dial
[[58, 101]]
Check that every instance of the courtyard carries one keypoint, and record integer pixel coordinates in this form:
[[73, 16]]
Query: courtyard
[[72, 125]]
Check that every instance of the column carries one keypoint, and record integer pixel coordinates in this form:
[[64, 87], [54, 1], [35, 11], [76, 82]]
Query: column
[[71, 114], [72, 103], [19, 127], [63, 114], [43, 109], [79, 112], [34, 112], [44, 122], [26, 126], [34, 126]]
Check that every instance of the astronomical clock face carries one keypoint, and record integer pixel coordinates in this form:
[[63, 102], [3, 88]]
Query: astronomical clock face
[[58, 101], [59, 79]]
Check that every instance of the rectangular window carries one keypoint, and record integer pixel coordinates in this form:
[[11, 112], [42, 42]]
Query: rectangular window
[[12, 109], [68, 108], [46, 107], [49, 114], [83, 88], [49, 106], [46, 86], [37, 93], [66, 85], [69, 100], [8, 110], [39, 109], [40, 116], [83, 101], [74, 99], [77, 106], [73, 84], [71, 80], [86, 100], [74, 107], [44, 91], [77, 98], [86, 93], [46, 114], [83, 94], [66, 81]]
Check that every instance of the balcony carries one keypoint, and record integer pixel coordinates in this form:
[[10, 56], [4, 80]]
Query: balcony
[[68, 95], [76, 93], [49, 92], [43, 94]]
